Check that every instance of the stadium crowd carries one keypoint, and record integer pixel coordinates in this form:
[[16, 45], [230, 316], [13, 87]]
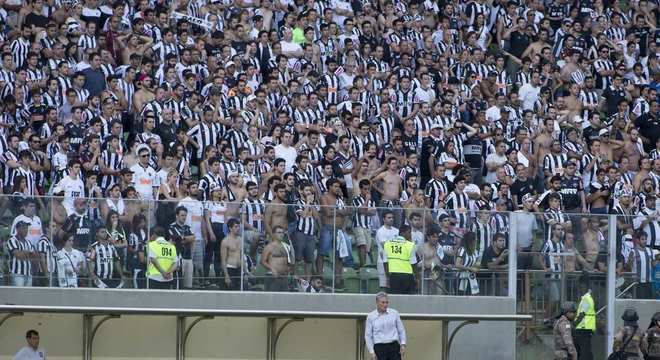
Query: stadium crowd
[[283, 132]]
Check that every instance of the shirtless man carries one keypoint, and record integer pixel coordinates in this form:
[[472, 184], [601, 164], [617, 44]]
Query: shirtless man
[[592, 237], [360, 172], [391, 187], [631, 148], [370, 155], [277, 258], [608, 145], [276, 211], [279, 166], [144, 95], [544, 140], [236, 195], [333, 217], [573, 103], [230, 255], [431, 262], [537, 46], [644, 172], [574, 257]]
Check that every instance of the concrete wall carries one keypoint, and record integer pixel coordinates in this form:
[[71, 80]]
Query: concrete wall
[[144, 337]]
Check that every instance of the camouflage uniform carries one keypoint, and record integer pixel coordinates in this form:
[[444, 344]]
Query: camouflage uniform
[[564, 347], [638, 342], [653, 340]]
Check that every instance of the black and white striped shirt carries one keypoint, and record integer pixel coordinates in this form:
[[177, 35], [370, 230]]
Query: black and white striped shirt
[[404, 101], [484, 233], [602, 82], [45, 247], [114, 161], [103, 255], [362, 220], [457, 204], [254, 212], [16, 265], [306, 224], [643, 264], [552, 214], [553, 162], [86, 42], [551, 251], [20, 49], [435, 189]]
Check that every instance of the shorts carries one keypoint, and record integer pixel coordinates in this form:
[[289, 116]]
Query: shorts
[[304, 246], [363, 237], [276, 284], [327, 239], [234, 278]]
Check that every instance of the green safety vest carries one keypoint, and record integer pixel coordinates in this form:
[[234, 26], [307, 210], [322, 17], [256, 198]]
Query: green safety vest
[[399, 251], [165, 255], [589, 320]]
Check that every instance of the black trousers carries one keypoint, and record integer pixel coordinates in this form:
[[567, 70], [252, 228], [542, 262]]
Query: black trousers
[[583, 344], [402, 283], [388, 351]]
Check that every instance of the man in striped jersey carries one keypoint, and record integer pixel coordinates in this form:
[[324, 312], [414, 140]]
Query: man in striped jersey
[[365, 209], [21, 256], [641, 262], [47, 262], [104, 263], [308, 222]]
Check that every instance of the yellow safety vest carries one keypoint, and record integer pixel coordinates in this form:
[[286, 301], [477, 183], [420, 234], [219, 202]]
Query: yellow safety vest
[[589, 320], [165, 253], [399, 251]]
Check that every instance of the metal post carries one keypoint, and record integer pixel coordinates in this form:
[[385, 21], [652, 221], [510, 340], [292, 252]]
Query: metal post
[[270, 329], [513, 255], [242, 246], [444, 346], [180, 325], [334, 250], [87, 319], [359, 339], [611, 281]]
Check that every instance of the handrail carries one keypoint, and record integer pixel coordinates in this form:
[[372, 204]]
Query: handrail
[[246, 313]]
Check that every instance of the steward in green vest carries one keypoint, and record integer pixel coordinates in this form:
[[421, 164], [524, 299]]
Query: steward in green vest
[[585, 320], [162, 262], [398, 258]]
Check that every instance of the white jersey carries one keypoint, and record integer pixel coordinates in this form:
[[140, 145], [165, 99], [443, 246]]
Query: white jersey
[[68, 266], [382, 235], [195, 215], [144, 180], [72, 188], [35, 230]]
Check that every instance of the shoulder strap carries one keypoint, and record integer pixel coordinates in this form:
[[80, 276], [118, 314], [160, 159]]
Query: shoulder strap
[[629, 339]]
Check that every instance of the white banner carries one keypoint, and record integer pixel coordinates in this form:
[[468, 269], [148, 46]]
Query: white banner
[[193, 20]]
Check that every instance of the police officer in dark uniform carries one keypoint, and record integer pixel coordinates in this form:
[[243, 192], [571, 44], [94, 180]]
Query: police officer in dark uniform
[[629, 338], [652, 337], [563, 333]]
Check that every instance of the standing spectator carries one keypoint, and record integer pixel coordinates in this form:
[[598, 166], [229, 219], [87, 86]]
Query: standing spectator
[[385, 233], [71, 185], [79, 225], [22, 255], [70, 264], [641, 263], [467, 263], [103, 262], [31, 351], [308, 222], [179, 233], [47, 262], [29, 215], [144, 176], [231, 255], [384, 333], [136, 262], [277, 258]]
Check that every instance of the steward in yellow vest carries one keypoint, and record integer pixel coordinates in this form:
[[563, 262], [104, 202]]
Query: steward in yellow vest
[[585, 320], [398, 258], [162, 263]]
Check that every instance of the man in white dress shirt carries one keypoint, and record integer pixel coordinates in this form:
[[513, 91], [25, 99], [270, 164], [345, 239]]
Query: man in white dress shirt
[[384, 333], [31, 351]]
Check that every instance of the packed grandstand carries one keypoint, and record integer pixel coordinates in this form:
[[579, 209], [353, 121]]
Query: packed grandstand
[[290, 140]]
